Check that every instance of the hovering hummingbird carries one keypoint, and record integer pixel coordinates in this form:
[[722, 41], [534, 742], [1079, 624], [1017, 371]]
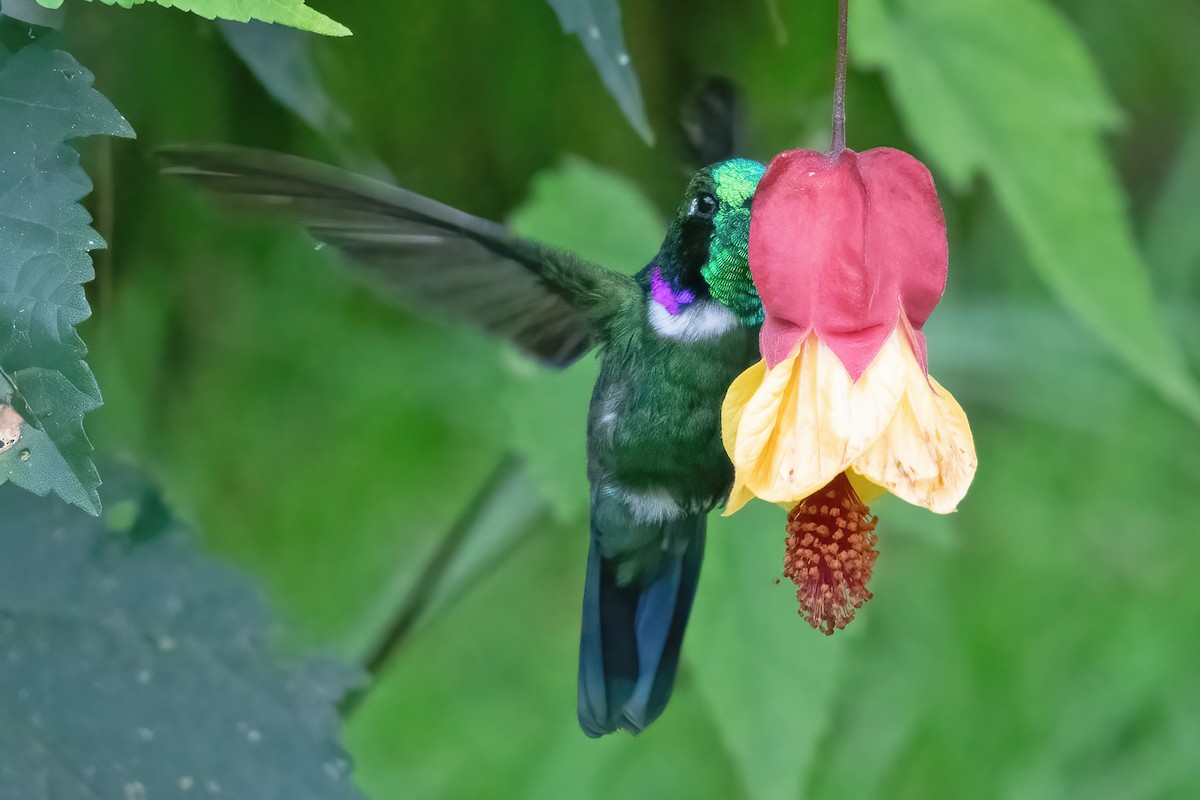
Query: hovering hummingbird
[[671, 339]]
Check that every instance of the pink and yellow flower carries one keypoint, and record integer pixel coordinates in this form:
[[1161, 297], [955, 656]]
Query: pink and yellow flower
[[849, 255]]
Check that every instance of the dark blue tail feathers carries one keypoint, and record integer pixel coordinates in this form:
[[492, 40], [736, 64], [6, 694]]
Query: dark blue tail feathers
[[633, 630]]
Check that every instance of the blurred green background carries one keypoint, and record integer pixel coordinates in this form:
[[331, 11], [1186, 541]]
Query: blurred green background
[[1040, 643]]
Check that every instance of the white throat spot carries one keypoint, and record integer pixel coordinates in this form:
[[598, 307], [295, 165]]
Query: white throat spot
[[701, 320]]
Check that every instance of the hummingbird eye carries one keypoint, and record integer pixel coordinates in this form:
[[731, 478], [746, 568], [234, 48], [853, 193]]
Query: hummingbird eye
[[703, 206]]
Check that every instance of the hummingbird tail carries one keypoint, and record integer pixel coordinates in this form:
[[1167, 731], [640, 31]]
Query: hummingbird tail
[[633, 630]]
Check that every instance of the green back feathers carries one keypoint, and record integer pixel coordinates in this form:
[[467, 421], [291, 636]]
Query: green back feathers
[[727, 269]]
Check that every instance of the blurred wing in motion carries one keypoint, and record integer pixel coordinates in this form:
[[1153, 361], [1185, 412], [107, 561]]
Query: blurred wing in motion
[[549, 302], [711, 119]]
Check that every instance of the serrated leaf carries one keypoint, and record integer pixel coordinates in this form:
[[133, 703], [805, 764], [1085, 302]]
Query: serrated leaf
[[597, 23], [46, 98], [30, 11], [767, 676], [285, 12], [605, 218], [134, 669], [1021, 103]]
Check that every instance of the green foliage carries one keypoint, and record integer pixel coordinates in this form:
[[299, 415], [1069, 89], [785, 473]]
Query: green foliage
[[774, 692], [1021, 103], [46, 98], [494, 681], [281, 60], [135, 669], [1033, 645], [597, 23], [412, 398], [1172, 236], [284, 12]]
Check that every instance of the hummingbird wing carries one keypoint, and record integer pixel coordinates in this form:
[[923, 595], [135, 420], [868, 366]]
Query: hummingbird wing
[[711, 120], [549, 302]]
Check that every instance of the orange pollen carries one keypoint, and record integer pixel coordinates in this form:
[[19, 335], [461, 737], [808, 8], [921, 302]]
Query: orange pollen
[[829, 554]]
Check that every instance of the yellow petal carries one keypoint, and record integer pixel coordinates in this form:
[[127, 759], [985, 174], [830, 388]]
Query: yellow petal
[[738, 497], [808, 421], [926, 456], [734, 405]]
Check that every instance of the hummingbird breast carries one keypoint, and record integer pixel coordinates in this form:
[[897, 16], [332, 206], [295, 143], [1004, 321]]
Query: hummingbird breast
[[654, 427]]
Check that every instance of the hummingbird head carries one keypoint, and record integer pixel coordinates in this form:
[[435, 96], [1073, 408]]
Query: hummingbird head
[[704, 254]]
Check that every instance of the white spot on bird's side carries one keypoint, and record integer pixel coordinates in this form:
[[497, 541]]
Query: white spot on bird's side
[[610, 410], [701, 320], [653, 505]]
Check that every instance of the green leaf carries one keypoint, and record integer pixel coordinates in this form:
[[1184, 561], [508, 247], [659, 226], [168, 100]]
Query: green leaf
[[285, 12], [1172, 240], [1020, 102], [496, 679], [281, 59], [134, 669], [31, 12], [372, 430], [981, 350], [504, 521], [768, 677], [1172, 236], [597, 23], [46, 98], [605, 218], [492, 527]]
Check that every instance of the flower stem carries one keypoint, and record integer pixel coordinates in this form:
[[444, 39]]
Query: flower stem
[[431, 579], [839, 85]]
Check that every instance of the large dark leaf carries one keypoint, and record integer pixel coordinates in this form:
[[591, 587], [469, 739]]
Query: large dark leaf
[[132, 668]]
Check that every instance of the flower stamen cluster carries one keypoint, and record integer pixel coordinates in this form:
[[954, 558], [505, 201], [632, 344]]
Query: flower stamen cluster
[[829, 555]]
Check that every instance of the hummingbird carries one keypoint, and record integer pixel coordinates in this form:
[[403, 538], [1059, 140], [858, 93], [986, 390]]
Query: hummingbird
[[670, 339]]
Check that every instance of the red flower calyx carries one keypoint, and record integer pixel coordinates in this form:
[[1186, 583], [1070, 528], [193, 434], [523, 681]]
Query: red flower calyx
[[845, 246]]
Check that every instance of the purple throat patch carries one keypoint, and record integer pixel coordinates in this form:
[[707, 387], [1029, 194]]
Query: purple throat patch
[[667, 296]]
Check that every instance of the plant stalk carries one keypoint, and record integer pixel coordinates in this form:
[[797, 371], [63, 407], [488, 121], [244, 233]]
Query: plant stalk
[[839, 85]]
